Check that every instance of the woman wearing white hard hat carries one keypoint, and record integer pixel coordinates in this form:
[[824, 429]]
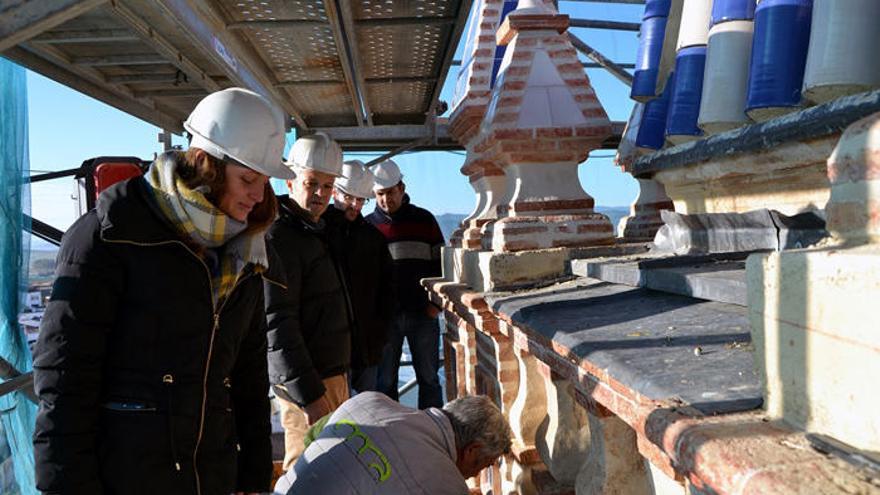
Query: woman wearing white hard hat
[[151, 362]]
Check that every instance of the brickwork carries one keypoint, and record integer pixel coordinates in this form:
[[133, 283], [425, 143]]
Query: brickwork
[[464, 122], [543, 119]]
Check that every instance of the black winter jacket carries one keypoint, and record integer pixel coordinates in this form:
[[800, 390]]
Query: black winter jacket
[[363, 254], [144, 388], [414, 240], [309, 320]]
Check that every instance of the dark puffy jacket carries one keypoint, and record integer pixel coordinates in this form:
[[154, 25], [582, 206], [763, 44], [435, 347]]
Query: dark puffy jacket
[[144, 388], [362, 252], [414, 240], [309, 320]]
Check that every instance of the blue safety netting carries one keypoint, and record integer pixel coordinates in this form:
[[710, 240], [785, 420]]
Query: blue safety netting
[[17, 412]]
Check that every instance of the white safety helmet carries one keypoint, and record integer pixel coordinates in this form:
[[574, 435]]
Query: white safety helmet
[[356, 180], [239, 124], [317, 152], [387, 174]]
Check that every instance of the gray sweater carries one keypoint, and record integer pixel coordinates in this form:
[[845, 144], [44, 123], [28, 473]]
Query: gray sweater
[[372, 444]]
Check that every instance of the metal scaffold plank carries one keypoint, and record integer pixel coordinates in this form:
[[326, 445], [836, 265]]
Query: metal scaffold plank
[[122, 59], [368, 80], [342, 25], [166, 49], [385, 137], [68, 36], [165, 93], [169, 77], [87, 71], [388, 132], [30, 18], [406, 21], [83, 85], [206, 28], [280, 23]]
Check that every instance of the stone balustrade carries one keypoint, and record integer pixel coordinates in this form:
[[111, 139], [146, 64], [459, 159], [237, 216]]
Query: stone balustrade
[[621, 389], [589, 418]]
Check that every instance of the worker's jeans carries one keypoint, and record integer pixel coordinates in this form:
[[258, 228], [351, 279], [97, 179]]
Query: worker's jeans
[[423, 336]]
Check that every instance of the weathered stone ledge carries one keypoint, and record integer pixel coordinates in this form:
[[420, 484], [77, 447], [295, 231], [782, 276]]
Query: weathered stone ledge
[[642, 340], [716, 277], [485, 270], [690, 432]]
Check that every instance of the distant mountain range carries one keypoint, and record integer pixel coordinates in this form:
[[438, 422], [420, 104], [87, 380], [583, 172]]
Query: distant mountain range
[[450, 221]]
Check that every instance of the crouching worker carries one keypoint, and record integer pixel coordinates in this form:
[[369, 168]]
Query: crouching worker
[[373, 445], [151, 363]]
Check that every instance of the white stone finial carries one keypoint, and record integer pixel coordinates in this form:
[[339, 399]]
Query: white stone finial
[[532, 7]]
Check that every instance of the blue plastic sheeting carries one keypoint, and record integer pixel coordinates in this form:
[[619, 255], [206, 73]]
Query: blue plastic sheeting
[[652, 131], [656, 8], [779, 53], [16, 411], [651, 34], [684, 105], [732, 10]]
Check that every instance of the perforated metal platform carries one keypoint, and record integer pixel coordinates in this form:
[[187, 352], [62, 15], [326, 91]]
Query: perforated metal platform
[[328, 64]]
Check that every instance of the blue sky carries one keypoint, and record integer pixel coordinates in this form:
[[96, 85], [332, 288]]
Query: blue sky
[[67, 127]]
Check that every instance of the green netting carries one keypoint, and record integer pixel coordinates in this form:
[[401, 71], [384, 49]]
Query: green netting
[[17, 413]]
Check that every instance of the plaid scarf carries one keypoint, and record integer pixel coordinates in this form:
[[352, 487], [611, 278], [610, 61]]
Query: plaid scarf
[[197, 218]]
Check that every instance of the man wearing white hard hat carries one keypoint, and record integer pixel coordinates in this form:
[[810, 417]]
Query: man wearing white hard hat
[[414, 240], [309, 318], [156, 328], [363, 254]]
